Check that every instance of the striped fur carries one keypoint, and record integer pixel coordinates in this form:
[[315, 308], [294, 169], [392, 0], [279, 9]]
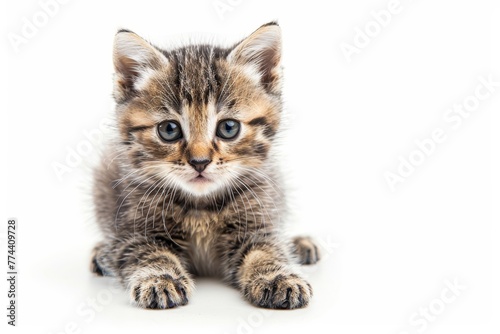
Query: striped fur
[[161, 226]]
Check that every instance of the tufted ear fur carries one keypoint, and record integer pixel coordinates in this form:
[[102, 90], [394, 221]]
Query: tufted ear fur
[[262, 51], [134, 60]]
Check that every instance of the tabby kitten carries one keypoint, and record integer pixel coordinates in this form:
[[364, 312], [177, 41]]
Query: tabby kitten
[[190, 186]]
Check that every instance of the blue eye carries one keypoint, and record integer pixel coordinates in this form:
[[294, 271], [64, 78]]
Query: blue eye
[[169, 131], [228, 129]]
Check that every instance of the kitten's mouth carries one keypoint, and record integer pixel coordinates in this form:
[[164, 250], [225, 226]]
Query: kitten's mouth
[[200, 179]]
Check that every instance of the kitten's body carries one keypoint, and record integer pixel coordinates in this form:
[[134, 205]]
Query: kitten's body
[[161, 219]]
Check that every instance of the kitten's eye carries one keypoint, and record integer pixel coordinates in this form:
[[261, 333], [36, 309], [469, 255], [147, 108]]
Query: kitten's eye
[[228, 129], [169, 131]]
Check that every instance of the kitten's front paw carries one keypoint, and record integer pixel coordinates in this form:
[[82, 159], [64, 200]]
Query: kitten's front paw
[[161, 291], [278, 291], [306, 250]]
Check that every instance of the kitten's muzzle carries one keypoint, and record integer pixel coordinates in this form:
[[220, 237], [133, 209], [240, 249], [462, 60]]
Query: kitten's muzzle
[[199, 165]]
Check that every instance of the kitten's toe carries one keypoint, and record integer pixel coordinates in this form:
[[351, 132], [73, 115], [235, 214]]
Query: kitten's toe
[[278, 291], [161, 292], [306, 250]]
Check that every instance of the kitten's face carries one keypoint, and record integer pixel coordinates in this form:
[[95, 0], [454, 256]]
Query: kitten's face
[[199, 118]]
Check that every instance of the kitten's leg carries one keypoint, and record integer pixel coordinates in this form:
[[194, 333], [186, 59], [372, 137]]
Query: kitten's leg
[[306, 250], [152, 273], [266, 278]]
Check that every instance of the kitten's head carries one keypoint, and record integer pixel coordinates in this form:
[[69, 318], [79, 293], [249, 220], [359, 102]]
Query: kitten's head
[[199, 117]]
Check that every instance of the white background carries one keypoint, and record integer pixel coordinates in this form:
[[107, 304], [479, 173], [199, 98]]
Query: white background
[[387, 254]]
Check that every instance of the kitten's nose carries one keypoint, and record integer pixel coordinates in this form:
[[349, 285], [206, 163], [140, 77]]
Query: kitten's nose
[[199, 164]]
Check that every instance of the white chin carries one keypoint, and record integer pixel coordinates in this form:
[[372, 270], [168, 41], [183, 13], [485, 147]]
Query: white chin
[[200, 187]]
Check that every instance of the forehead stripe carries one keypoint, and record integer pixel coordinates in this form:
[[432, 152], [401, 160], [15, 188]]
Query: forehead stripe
[[258, 121], [139, 128]]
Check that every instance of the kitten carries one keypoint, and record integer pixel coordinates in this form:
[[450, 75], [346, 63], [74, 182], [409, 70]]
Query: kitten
[[190, 186]]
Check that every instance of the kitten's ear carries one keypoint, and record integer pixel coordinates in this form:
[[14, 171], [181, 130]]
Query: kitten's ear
[[134, 58], [262, 49]]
